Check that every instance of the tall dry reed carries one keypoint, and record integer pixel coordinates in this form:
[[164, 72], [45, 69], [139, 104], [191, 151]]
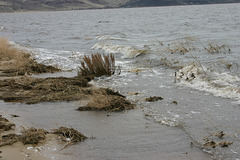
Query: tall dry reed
[[97, 65]]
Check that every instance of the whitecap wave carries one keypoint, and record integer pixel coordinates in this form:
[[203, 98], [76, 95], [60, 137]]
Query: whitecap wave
[[218, 84], [64, 60], [128, 52]]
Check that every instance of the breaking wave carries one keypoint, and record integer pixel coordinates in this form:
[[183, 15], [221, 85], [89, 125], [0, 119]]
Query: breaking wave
[[198, 77], [65, 60], [128, 52]]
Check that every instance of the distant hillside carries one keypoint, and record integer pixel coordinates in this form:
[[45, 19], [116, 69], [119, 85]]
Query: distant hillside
[[46, 5], [148, 3]]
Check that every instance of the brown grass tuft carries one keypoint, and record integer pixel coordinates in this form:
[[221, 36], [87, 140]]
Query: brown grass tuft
[[107, 100], [97, 65]]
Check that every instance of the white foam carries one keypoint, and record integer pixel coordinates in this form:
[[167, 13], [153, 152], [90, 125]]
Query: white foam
[[128, 52], [107, 37], [65, 60], [218, 84]]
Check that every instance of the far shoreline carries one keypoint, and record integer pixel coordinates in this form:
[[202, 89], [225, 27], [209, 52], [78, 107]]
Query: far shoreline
[[107, 8]]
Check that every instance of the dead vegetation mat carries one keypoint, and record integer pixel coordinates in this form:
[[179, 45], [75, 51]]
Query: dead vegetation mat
[[35, 136], [69, 134], [107, 100], [58, 89], [34, 90], [5, 125]]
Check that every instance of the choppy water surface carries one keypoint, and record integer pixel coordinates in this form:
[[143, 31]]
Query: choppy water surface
[[189, 55]]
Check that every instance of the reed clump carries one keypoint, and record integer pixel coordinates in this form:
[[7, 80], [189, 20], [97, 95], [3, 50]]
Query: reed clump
[[97, 65]]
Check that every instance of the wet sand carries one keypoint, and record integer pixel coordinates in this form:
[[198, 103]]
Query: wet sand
[[124, 135]]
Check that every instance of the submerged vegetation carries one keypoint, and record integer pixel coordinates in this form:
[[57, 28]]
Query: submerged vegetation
[[97, 65], [215, 49]]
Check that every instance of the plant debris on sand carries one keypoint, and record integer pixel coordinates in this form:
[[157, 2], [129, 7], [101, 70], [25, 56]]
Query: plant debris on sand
[[107, 100], [153, 99], [35, 136], [15, 62], [69, 134], [5, 125], [32, 135]]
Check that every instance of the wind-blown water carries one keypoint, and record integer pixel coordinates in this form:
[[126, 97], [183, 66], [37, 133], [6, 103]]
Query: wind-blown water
[[189, 55]]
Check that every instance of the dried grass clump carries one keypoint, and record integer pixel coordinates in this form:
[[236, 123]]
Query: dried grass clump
[[9, 139], [32, 135], [5, 125], [97, 65], [107, 100], [69, 133]]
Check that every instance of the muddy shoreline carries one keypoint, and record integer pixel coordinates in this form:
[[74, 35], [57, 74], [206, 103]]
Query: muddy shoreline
[[18, 86]]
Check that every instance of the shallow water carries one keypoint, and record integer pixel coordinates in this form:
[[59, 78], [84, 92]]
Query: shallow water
[[187, 54], [126, 135]]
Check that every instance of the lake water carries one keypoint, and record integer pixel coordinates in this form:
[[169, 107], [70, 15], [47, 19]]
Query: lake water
[[188, 55]]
